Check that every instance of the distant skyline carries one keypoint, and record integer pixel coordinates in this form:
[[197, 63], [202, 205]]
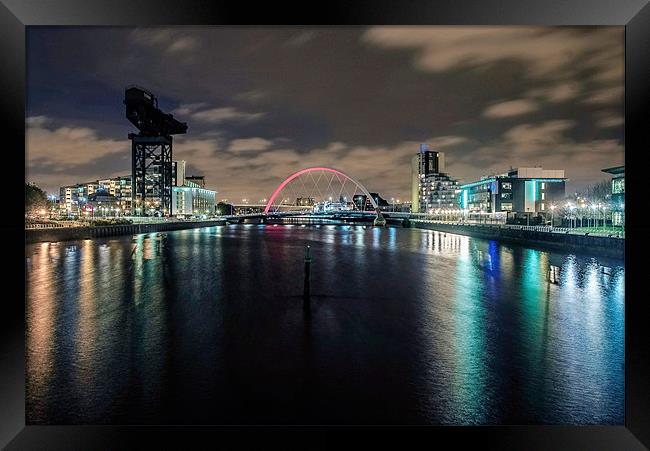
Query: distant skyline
[[263, 102]]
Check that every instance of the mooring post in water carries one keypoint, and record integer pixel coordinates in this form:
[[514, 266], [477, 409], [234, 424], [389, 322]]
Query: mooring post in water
[[306, 292]]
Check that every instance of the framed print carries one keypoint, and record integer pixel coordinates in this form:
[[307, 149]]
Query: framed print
[[416, 221]]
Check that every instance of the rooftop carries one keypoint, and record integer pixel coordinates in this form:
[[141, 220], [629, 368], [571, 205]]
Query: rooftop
[[615, 170]]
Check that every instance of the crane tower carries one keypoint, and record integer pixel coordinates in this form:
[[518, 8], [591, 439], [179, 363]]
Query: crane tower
[[151, 153]]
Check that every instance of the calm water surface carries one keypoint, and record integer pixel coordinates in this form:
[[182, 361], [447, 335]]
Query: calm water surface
[[405, 326]]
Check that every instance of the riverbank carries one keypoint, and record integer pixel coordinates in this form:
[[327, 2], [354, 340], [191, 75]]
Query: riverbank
[[82, 233], [595, 245]]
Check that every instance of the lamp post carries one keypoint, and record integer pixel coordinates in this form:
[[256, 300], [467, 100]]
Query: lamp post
[[593, 215], [552, 212], [598, 217]]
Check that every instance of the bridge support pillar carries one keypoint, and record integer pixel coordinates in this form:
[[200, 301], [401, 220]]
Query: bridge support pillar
[[380, 220]]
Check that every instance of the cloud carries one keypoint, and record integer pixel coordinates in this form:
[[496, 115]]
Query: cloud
[[151, 36], [510, 108], [358, 99], [182, 44], [200, 153], [444, 142], [215, 115], [64, 154], [301, 39], [526, 137], [37, 121], [172, 40], [546, 51], [249, 144], [609, 121], [557, 93], [66, 146], [384, 169], [189, 108], [251, 96], [611, 95], [543, 144]]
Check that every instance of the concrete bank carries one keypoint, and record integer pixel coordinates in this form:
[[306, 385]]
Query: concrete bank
[[588, 244], [82, 233]]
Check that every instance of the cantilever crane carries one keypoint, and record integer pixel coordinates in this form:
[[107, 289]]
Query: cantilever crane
[[143, 112], [151, 162]]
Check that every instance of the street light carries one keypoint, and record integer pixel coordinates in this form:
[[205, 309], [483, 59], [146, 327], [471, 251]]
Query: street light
[[552, 212], [598, 221], [593, 215]]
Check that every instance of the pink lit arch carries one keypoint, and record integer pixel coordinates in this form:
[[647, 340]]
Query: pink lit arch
[[307, 170]]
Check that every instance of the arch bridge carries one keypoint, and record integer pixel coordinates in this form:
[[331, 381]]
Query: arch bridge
[[307, 184]]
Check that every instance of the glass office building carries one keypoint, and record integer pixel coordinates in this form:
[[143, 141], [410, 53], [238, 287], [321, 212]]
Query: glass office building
[[520, 191]]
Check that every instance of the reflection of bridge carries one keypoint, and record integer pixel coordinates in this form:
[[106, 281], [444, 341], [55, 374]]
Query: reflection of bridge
[[319, 185], [308, 214]]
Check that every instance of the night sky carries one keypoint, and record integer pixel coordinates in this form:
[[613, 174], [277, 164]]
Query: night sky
[[262, 103]]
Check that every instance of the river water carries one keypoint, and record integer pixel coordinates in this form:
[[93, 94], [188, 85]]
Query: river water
[[404, 326]]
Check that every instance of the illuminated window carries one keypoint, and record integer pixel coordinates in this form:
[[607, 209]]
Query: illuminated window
[[618, 186]]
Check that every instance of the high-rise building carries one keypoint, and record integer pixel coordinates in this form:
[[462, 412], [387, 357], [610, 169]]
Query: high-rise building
[[431, 187], [178, 173]]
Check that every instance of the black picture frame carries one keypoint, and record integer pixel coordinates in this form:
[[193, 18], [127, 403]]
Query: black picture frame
[[15, 15]]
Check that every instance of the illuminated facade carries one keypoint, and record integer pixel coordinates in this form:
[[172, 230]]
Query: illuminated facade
[[431, 187], [305, 201], [191, 199], [618, 194], [329, 207], [102, 203], [178, 173], [197, 179], [521, 190], [73, 198]]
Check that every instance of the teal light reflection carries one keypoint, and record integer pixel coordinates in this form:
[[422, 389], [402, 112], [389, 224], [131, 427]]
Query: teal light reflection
[[469, 339], [535, 311]]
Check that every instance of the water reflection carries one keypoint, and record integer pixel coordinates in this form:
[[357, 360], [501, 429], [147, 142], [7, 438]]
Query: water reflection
[[469, 337], [462, 331]]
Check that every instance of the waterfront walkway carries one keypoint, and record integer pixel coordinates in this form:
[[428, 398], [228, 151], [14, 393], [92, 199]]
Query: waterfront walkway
[[587, 231], [536, 236]]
